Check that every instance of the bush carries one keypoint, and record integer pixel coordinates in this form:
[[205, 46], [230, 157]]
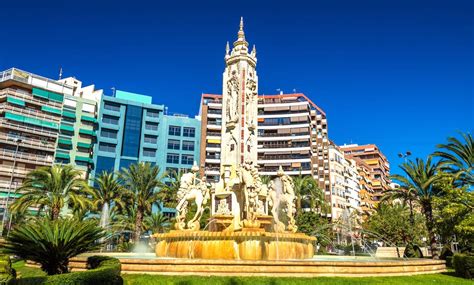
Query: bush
[[449, 261], [412, 251], [464, 265], [52, 243], [445, 252], [101, 270], [7, 273]]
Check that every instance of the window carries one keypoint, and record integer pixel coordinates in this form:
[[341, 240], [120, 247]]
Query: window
[[152, 114], [151, 139], [111, 107], [149, 152], [173, 144], [188, 145], [189, 132], [151, 126], [107, 147], [107, 133], [172, 170], [172, 158], [132, 131], [105, 164], [174, 131], [187, 159], [106, 119]]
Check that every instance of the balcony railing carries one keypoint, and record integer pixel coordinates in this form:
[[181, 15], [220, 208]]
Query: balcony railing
[[35, 80], [29, 141], [37, 114], [29, 157], [26, 128], [28, 97]]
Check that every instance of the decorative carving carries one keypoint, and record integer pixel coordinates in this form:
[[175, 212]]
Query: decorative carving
[[191, 189], [223, 208], [232, 100], [282, 194]]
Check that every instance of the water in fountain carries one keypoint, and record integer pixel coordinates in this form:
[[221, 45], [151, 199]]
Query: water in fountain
[[104, 216], [278, 192]]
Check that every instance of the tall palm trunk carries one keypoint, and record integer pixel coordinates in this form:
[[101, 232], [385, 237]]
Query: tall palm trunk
[[138, 225], [428, 210], [412, 215]]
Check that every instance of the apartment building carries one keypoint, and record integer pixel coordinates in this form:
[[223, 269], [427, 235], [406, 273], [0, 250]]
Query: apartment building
[[78, 129], [345, 187], [30, 117], [375, 163], [178, 143], [292, 132], [127, 131]]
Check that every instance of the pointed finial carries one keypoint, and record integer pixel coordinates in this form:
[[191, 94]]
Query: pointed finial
[[254, 50], [227, 48], [241, 34]]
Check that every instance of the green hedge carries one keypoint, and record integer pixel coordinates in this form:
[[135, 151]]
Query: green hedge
[[7, 273], [464, 265], [101, 270]]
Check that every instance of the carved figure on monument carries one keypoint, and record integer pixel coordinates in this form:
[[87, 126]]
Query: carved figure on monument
[[232, 100], [191, 189], [251, 95], [251, 187], [282, 197]]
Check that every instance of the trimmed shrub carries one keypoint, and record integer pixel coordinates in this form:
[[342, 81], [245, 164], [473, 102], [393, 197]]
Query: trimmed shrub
[[449, 261], [464, 265], [412, 251], [7, 273], [101, 270]]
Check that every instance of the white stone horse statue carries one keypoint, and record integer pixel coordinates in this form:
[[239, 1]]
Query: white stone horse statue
[[281, 194]]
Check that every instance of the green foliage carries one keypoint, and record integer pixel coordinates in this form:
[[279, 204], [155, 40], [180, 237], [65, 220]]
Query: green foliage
[[51, 188], [392, 222], [7, 273], [464, 265], [52, 243], [308, 192], [458, 159], [157, 223], [141, 181], [412, 251], [108, 191], [101, 270], [168, 191], [313, 224]]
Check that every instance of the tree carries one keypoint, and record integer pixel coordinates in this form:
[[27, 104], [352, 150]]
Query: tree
[[52, 242], [422, 178], [141, 181], [169, 189], [458, 158], [454, 214], [51, 188], [304, 186], [157, 223], [390, 221], [107, 193], [408, 196]]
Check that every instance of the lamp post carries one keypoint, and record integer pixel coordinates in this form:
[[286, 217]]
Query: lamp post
[[405, 155], [5, 209]]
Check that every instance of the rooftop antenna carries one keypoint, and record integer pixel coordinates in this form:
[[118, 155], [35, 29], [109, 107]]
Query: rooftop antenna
[[60, 72], [113, 91], [166, 110], [294, 90]]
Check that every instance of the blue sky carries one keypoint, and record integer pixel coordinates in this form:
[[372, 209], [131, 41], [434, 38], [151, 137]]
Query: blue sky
[[395, 73]]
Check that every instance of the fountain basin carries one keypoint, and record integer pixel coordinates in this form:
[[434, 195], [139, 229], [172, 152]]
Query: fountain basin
[[345, 266], [240, 245]]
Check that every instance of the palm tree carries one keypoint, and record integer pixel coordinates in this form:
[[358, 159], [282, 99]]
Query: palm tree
[[316, 199], [52, 187], [52, 242], [407, 196], [107, 193], [169, 189], [421, 178], [141, 181], [157, 222], [458, 157], [304, 186]]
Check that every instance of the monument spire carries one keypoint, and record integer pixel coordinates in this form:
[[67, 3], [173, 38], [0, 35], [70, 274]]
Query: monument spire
[[241, 34]]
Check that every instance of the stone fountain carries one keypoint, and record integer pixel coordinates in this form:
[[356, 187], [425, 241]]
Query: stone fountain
[[245, 214]]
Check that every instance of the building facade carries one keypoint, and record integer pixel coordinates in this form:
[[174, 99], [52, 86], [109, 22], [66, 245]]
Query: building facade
[[178, 143], [375, 163], [31, 109], [78, 129], [128, 131], [345, 187]]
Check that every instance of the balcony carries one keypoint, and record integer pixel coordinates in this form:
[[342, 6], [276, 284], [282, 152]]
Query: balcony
[[35, 80], [28, 97], [29, 142], [31, 113], [26, 128], [27, 157]]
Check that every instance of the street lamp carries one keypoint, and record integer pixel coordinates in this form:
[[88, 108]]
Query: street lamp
[[5, 210], [405, 155]]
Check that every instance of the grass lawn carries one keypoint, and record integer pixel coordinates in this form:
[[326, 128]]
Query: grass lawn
[[144, 279]]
